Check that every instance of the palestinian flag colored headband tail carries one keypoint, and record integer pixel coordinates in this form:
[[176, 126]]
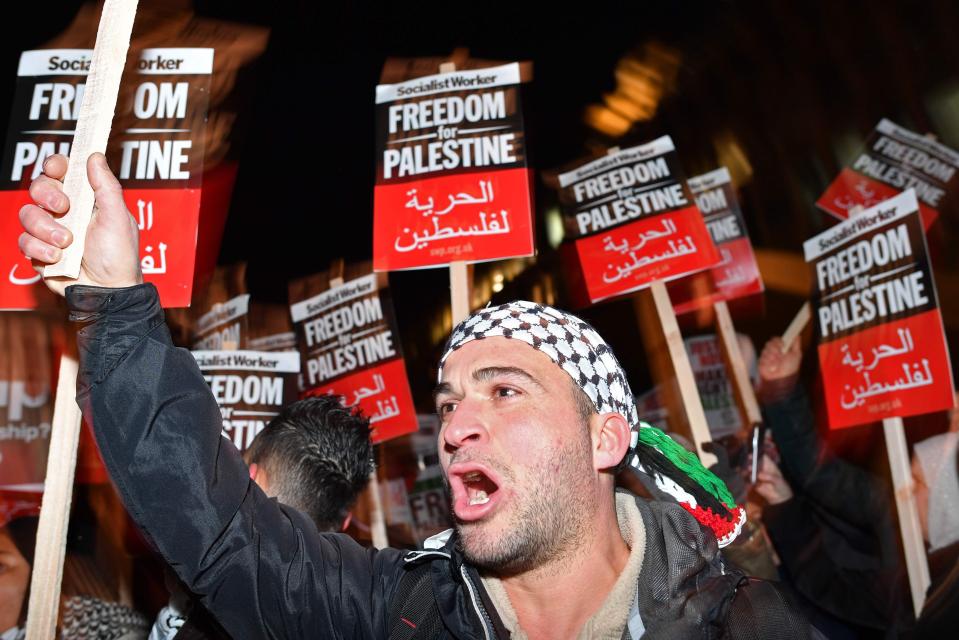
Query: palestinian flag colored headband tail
[[583, 354], [680, 474]]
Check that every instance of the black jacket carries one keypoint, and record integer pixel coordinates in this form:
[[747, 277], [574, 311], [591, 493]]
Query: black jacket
[[837, 536], [262, 568]]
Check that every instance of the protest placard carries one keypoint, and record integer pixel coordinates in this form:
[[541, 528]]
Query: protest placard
[[156, 152], [349, 342], [737, 274], [881, 345], [452, 182], [893, 160], [250, 387], [633, 220]]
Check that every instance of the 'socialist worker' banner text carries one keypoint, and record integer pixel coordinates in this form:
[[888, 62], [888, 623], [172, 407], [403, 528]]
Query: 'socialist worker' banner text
[[737, 274], [250, 387], [633, 220], [155, 149], [452, 182], [350, 348], [895, 159], [882, 350]]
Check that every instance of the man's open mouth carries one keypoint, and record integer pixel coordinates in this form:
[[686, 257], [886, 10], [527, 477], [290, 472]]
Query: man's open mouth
[[475, 489]]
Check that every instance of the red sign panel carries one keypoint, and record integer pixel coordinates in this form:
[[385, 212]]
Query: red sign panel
[[634, 221], [350, 348], [156, 149], [452, 182], [882, 349], [737, 274], [895, 159]]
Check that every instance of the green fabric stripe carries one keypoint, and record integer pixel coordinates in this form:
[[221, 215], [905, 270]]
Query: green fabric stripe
[[687, 462]]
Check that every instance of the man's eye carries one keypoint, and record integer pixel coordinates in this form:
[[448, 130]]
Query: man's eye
[[505, 392], [446, 408]]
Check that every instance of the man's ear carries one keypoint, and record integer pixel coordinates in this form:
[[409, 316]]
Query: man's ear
[[611, 435], [253, 469]]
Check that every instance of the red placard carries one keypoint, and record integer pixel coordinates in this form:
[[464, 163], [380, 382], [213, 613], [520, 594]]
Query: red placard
[[350, 347], [452, 182], [737, 274], [382, 393], [895, 159], [881, 344], [156, 149], [633, 220]]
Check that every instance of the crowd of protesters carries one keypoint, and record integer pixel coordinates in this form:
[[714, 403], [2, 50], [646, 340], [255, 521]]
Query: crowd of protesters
[[554, 482]]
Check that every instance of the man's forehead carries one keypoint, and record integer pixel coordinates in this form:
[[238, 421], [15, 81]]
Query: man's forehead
[[496, 351]]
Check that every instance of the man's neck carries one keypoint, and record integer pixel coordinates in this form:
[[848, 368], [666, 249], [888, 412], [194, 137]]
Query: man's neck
[[555, 600]]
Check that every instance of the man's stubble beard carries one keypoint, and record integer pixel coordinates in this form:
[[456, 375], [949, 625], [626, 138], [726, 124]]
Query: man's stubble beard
[[550, 522]]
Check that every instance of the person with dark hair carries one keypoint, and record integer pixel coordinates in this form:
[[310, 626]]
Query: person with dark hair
[[544, 547], [315, 456]]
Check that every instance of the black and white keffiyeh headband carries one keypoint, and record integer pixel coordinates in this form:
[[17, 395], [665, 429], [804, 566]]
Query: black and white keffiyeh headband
[[582, 353]]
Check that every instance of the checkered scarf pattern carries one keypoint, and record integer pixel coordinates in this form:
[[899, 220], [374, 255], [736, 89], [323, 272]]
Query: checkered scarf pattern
[[582, 353]]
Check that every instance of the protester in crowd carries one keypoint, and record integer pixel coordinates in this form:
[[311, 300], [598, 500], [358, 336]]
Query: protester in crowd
[[536, 418], [315, 456], [833, 523], [17, 541]]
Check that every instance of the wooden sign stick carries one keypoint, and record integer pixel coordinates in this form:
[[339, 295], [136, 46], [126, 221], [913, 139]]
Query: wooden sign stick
[[461, 286], [917, 565], [736, 364], [688, 391], [797, 326], [378, 532], [93, 129]]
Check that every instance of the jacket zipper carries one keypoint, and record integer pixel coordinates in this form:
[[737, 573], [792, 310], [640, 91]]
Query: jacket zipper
[[476, 605]]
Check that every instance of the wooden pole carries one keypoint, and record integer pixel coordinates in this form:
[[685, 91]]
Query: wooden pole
[[736, 364], [378, 532], [917, 565], [797, 326], [460, 290], [461, 286], [93, 126], [92, 131], [48, 557], [692, 403]]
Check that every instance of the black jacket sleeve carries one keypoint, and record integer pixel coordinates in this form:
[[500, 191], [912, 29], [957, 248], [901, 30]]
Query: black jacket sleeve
[[811, 468], [260, 567]]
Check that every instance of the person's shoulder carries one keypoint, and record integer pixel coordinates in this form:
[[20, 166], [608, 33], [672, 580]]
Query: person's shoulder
[[765, 609], [669, 523]]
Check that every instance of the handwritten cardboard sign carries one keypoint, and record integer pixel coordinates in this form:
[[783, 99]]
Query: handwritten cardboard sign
[[633, 220], [880, 336], [895, 159], [452, 182], [156, 149], [737, 274], [350, 348]]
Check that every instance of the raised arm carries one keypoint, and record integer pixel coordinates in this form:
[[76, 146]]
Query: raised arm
[[260, 567]]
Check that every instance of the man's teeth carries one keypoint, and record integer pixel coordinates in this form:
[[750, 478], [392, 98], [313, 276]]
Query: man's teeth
[[479, 497]]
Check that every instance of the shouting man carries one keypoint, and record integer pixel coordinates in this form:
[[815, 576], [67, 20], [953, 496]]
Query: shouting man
[[537, 417]]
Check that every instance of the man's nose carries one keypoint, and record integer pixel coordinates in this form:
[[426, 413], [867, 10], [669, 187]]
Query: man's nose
[[466, 425]]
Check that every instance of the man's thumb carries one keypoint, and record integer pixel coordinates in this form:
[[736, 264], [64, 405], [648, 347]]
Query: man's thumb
[[106, 188]]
